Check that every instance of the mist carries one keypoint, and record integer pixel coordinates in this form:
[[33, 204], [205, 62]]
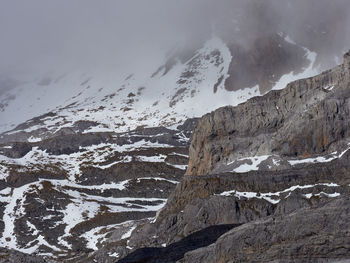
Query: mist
[[42, 35]]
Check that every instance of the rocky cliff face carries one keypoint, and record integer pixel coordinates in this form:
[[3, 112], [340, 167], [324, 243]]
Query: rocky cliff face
[[306, 119], [276, 169], [322, 235]]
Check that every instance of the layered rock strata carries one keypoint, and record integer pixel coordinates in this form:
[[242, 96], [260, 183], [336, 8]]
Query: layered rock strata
[[277, 165]]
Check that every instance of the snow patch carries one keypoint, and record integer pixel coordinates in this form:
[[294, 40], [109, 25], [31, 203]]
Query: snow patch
[[255, 161], [320, 159], [33, 139], [128, 234], [273, 197]]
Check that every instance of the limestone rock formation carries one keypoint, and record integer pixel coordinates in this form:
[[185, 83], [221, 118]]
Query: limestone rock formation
[[308, 118]]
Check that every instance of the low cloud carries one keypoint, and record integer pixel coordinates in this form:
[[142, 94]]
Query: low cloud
[[54, 34]]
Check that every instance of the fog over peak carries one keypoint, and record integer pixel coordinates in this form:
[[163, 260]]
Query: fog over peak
[[62, 34]]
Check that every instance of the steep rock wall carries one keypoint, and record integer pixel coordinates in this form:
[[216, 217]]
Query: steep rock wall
[[307, 118]]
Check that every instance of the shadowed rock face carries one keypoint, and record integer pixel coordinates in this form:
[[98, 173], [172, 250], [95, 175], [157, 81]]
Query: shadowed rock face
[[307, 118], [176, 251], [347, 60], [200, 201], [264, 63], [308, 235], [307, 191]]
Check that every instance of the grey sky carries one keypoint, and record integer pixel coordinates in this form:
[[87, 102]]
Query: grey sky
[[56, 33]]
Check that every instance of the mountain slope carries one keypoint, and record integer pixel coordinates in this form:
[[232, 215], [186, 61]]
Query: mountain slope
[[163, 94], [109, 148], [271, 195]]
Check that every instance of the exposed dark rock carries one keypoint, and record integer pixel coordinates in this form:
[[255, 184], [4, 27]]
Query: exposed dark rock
[[188, 126], [18, 179], [176, 251], [125, 188], [263, 63], [308, 235], [17, 150], [196, 202], [12, 256], [48, 196], [70, 143]]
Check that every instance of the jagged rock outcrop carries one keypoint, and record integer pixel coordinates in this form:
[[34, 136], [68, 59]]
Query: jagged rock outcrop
[[200, 202], [273, 164], [177, 250], [347, 60]]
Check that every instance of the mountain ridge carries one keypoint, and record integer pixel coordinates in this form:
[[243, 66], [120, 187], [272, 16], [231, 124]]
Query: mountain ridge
[[165, 96]]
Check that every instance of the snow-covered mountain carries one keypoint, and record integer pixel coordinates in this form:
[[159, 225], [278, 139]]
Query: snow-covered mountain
[[134, 124], [86, 156], [164, 94]]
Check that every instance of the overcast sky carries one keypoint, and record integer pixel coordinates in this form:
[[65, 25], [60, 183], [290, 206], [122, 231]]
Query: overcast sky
[[56, 33]]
